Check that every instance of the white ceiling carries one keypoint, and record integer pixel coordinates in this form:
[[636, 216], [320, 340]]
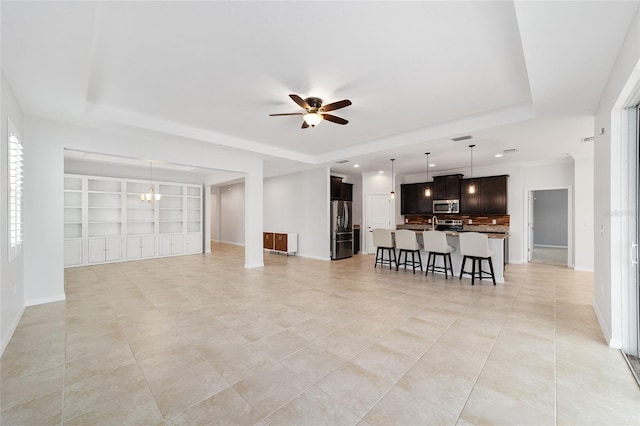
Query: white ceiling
[[525, 75]]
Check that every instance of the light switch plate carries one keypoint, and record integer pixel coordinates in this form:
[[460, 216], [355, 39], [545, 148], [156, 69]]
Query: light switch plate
[[470, 221], [494, 221]]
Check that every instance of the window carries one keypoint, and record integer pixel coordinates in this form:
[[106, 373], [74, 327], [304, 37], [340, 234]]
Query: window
[[15, 192]]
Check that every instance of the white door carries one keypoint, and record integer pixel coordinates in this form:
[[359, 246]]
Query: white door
[[148, 246], [97, 250], [134, 247], [114, 249], [530, 228], [378, 210]]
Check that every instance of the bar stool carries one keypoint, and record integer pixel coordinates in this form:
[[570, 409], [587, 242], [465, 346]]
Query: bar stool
[[383, 240], [435, 242], [407, 242], [475, 246]]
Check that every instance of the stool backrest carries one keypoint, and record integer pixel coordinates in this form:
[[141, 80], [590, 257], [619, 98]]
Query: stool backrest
[[435, 241], [474, 244], [382, 238], [406, 240]]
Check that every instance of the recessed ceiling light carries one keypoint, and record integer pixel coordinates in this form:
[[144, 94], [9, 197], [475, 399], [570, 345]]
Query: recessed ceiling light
[[432, 165], [499, 155], [381, 171], [356, 165]]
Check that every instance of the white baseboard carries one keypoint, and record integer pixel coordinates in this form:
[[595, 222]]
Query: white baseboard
[[233, 243], [550, 246], [583, 269], [310, 256], [255, 265], [12, 329], [43, 300], [516, 261], [611, 342]]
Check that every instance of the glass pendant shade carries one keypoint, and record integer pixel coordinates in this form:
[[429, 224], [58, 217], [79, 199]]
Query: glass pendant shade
[[471, 189], [427, 191], [150, 196], [393, 193], [312, 118]]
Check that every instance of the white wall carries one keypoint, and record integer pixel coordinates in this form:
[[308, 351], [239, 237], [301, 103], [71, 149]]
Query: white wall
[[44, 168], [583, 208], [299, 202], [12, 279], [215, 214], [610, 257], [232, 214]]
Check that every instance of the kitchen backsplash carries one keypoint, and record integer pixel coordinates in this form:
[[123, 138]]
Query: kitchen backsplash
[[476, 220]]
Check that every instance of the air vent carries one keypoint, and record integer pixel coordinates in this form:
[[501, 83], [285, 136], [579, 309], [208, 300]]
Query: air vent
[[588, 139], [462, 138], [510, 151], [342, 161]]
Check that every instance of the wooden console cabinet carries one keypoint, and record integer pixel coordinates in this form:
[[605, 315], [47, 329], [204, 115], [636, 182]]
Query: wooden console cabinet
[[284, 242]]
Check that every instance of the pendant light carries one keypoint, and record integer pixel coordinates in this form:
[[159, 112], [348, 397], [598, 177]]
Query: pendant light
[[471, 189], [427, 191], [393, 193], [151, 195]]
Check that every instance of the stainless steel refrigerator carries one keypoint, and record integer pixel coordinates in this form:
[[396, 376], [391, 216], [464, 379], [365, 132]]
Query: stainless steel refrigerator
[[341, 229]]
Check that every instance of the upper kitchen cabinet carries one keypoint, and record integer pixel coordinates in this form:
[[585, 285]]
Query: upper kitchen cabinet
[[336, 188], [347, 191], [413, 198], [490, 196], [409, 198], [447, 187]]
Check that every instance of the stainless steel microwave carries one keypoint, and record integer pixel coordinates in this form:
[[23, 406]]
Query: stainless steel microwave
[[446, 206]]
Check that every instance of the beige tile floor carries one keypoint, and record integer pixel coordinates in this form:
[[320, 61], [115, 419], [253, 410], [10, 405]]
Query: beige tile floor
[[200, 340]]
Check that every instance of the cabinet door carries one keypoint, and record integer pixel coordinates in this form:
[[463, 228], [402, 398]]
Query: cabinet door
[[97, 248], [440, 188], [452, 191], [165, 245], [408, 199], [148, 246], [424, 202], [73, 252], [347, 192], [471, 203], [494, 195], [281, 242], [177, 244], [194, 243], [134, 247], [336, 188], [114, 249], [268, 240]]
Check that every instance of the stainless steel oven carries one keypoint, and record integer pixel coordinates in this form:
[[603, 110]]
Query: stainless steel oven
[[446, 206]]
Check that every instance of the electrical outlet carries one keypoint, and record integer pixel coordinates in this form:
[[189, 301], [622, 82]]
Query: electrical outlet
[[494, 221], [601, 230], [470, 221]]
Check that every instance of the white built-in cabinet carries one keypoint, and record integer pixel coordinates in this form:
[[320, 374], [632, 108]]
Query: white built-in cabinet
[[106, 221]]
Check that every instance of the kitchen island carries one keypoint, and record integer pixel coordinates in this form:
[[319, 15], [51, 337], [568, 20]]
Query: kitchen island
[[497, 243]]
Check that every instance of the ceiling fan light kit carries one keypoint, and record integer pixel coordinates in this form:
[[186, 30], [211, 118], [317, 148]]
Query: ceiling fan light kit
[[315, 111]]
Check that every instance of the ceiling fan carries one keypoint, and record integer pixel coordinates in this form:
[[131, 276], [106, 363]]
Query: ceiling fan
[[315, 112]]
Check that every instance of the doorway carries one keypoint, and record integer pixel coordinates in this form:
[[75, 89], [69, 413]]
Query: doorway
[[548, 226]]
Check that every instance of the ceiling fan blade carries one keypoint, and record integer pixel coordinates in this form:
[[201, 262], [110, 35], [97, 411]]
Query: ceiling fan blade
[[297, 99], [304, 125], [334, 119], [288, 113], [336, 105]]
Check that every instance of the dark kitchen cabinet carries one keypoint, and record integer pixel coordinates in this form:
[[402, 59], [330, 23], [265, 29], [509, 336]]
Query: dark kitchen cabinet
[[490, 196], [494, 195], [413, 199], [336, 188], [470, 203], [409, 198], [447, 187], [425, 202], [347, 191]]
